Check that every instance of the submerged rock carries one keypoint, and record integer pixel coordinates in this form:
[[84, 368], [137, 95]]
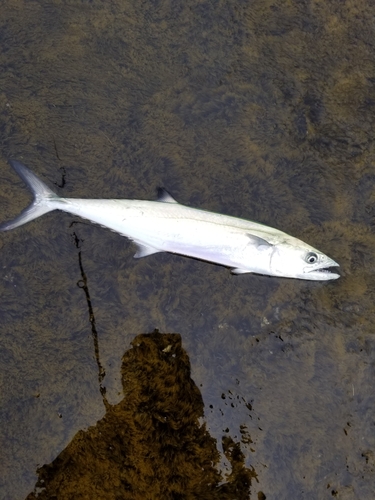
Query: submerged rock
[[152, 444]]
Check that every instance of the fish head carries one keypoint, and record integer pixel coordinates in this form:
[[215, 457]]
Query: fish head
[[295, 259]]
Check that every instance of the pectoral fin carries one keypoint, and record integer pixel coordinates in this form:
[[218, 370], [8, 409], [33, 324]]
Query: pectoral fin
[[144, 250], [259, 242]]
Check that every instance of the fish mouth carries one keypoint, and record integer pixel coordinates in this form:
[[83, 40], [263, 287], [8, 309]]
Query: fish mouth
[[323, 273]]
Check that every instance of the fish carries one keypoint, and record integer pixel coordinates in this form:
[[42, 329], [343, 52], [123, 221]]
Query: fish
[[168, 226]]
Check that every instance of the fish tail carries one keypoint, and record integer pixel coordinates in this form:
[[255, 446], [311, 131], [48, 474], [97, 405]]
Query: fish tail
[[43, 196]]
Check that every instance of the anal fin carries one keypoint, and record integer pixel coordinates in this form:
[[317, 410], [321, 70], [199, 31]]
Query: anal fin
[[144, 250]]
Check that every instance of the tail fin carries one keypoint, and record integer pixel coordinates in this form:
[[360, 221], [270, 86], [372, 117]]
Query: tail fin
[[42, 198]]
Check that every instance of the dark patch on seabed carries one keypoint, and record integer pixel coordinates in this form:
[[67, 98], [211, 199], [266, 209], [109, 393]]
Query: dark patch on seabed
[[150, 445]]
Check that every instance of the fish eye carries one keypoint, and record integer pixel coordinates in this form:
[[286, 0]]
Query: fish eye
[[311, 258]]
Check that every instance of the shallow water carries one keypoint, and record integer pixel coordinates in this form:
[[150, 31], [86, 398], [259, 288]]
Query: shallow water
[[263, 111]]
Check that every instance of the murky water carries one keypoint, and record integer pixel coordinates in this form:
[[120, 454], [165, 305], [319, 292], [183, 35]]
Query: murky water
[[261, 110]]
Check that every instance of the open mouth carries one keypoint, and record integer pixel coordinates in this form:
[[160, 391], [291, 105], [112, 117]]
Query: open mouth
[[326, 270], [324, 273]]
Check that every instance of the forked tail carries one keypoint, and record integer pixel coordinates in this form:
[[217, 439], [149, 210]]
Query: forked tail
[[43, 198]]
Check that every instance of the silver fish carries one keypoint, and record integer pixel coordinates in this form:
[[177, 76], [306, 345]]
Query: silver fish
[[167, 226]]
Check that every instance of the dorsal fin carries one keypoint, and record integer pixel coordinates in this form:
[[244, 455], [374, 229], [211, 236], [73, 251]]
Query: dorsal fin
[[164, 196]]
